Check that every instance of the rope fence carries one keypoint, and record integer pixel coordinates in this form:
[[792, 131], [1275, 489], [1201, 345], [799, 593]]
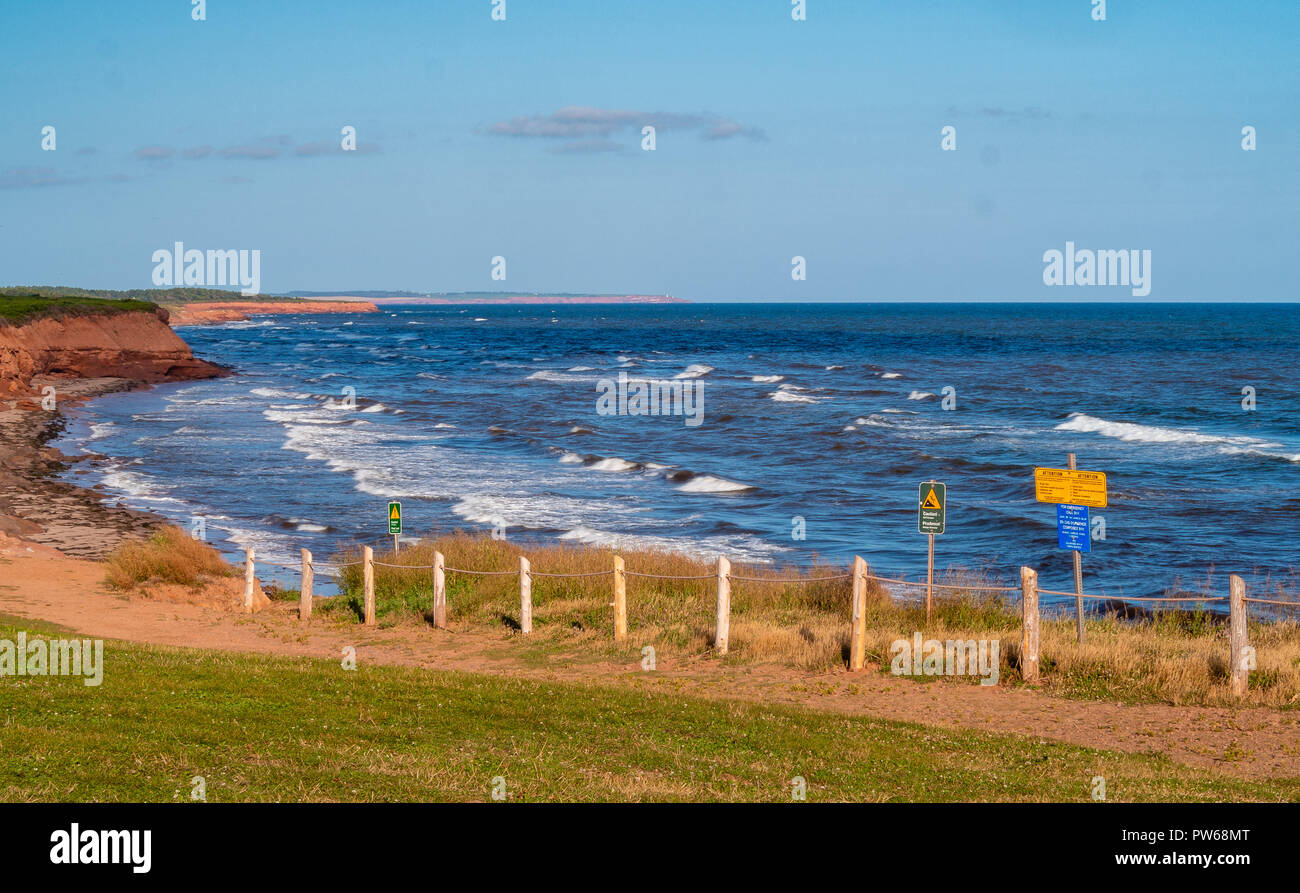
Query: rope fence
[[591, 574], [460, 570], [1241, 655], [656, 576], [788, 579]]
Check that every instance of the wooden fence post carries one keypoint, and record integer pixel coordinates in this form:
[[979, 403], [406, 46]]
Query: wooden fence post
[[1238, 643], [723, 633], [525, 596], [368, 579], [858, 626], [439, 591], [308, 583], [250, 577], [1029, 631], [620, 601]]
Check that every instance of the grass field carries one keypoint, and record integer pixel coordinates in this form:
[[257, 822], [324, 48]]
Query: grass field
[[263, 729]]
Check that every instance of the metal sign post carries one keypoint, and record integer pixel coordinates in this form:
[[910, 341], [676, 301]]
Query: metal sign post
[[1072, 465], [1074, 491], [395, 522], [931, 519]]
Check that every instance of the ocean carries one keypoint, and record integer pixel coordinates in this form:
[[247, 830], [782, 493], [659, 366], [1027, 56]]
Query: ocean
[[816, 425]]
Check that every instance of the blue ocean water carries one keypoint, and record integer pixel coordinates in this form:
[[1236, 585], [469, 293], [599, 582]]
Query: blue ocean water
[[830, 413]]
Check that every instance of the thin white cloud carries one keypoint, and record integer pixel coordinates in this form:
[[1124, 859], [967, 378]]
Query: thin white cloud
[[589, 123]]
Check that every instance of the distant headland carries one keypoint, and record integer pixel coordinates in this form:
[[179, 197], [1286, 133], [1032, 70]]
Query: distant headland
[[196, 306], [481, 297]]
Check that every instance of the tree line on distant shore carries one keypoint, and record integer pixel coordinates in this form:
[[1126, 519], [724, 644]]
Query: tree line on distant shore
[[154, 295]]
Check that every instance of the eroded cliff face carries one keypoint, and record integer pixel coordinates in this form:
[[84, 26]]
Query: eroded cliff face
[[231, 311], [138, 346]]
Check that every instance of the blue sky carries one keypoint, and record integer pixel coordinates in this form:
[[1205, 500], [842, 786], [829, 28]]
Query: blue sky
[[776, 138]]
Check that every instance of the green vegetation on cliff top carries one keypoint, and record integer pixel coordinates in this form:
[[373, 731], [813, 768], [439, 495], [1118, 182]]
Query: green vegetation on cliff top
[[17, 307], [156, 295]]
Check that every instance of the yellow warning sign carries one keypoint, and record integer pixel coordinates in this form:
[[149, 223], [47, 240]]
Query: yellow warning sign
[[394, 513], [931, 507], [1070, 487]]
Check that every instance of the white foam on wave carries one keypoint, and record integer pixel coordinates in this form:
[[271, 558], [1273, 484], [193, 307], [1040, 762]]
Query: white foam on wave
[[176, 404], [746, 548], [921, 395], [138, 487], [707, 483], [557, 377], [270, 547], [100, 430], [892, 375], [787, 397], [279, 393], [1133, 432], [694, 370], [789, 393], [614, 463], [300, 417], [768, 379]]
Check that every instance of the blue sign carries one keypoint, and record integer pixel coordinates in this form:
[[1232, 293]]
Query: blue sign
[[1072, 527]]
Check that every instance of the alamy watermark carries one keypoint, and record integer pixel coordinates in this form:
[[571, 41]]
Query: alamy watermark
[[954, 657], [179, 267], [53, 657], [90, 847], [1084, 266], [651, 396]]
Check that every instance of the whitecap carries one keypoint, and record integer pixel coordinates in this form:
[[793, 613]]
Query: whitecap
[[707, 483], [694, 370], [1138, 433], [791, 397]]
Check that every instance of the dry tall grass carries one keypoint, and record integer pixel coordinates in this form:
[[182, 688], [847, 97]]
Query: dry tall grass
[[1171, 657], [799, 624], [169, 556]]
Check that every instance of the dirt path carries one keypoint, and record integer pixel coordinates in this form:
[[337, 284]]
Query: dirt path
[[38, 583]]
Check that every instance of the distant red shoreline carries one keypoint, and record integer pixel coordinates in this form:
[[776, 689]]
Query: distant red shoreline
[[517, 299]]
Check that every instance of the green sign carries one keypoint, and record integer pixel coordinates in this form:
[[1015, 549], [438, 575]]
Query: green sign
[[931, 507], [394, 518]]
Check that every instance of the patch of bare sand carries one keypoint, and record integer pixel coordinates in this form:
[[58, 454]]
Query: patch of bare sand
[[70, 592]]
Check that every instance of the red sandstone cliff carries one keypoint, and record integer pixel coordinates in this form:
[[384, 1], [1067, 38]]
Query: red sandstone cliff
[[231, 311], [135, 345]]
